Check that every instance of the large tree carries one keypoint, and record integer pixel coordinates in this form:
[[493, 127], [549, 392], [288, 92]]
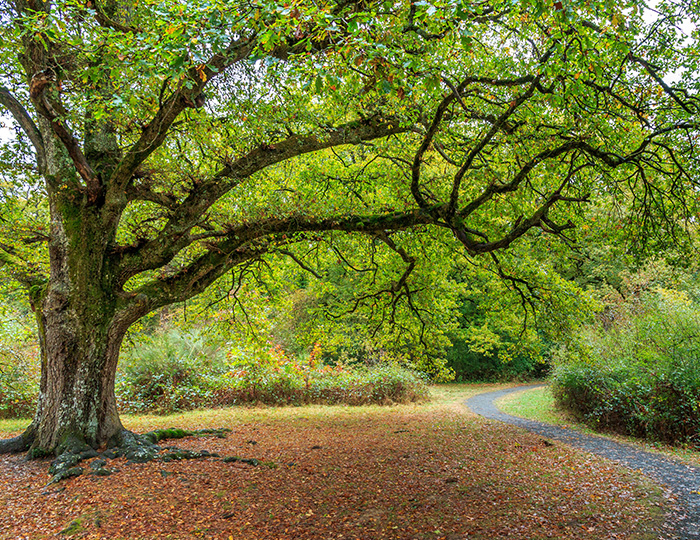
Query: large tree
[[174, 142]]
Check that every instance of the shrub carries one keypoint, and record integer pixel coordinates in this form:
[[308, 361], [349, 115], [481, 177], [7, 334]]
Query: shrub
[[663, 404], [279, 380], [168, 372], [173, 372], [639, 376], [19, 388]]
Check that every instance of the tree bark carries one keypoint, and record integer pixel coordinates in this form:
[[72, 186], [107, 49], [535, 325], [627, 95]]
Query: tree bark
[[77, 402], [80, 331], [80, 316]]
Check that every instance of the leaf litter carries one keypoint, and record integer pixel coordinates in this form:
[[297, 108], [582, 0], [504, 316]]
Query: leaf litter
[[418, 472]]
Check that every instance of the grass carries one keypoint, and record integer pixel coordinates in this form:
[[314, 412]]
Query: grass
[[13, 426], [538, 404], [452, 395]]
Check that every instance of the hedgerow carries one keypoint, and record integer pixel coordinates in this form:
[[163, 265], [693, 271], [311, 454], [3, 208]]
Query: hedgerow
[[639, 374], [171, 373]]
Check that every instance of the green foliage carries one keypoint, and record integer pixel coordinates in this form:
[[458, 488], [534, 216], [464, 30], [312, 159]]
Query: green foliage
[[19, 385], [469, 365], [638, 371], [19, 364], [173, 372], [167, 372], [284, 380], [510, 316]]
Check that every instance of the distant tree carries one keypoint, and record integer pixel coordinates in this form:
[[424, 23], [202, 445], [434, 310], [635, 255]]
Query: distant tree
[[174, 142]]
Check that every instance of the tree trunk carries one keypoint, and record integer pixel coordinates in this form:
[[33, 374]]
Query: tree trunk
[[80, 328], [77, 403]]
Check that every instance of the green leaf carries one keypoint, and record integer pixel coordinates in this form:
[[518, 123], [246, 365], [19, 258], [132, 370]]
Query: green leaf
[[178, 62]]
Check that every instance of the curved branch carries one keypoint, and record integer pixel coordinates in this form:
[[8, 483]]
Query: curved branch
[[495, 128], [53, 111], [300, 263], [427, 140], [175, 233], [252, 241], [21, 116]]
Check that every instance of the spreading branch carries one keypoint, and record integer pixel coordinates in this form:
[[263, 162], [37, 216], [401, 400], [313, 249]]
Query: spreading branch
[[252, 241], [21, 116], [174, 236]]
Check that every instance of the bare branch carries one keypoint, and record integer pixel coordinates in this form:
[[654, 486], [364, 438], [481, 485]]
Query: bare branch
[[300, 263]]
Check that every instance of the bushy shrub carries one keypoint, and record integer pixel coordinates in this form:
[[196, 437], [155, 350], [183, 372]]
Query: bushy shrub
[[663, 404], [169, 372], [639, 374], [276, 379], [19, 363], [19, 387], [173, 372]]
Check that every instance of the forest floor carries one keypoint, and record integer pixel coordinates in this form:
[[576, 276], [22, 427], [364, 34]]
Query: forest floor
[[421, 471]]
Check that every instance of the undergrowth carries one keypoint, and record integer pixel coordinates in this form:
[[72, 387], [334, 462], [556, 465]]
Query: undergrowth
[[639, 374], [176, 372], [179, 371], [19, 382]]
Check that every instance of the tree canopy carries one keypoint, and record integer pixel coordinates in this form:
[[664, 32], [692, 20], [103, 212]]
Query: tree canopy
[[160, 145]]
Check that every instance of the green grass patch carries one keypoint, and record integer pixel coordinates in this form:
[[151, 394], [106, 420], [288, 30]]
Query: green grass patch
[[13, 425], [536, 404]]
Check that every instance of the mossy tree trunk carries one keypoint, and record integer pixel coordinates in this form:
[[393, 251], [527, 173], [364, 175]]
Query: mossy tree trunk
[[80, 335]]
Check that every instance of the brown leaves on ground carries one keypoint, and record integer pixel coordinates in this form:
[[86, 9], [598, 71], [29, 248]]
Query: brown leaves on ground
[[405, 472]]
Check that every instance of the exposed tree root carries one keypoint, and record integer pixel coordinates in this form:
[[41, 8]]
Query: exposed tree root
[[134, 447], [14, 445]]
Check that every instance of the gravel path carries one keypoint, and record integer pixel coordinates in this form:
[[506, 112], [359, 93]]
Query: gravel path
[[683, 480]]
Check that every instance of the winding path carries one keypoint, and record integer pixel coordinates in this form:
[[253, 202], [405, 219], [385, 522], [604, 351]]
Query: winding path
[[683, 480]]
